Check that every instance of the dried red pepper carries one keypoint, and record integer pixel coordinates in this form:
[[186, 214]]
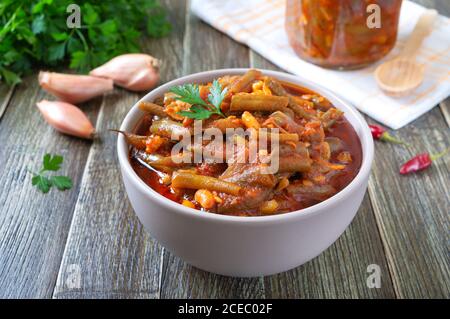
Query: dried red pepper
[[420, 162], [379, 133]]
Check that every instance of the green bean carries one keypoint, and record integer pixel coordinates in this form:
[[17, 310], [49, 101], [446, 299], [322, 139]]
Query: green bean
[[320, 102], [155, 160], [148, 161], [278, 90], [294, 163], [299, 109], [138, 141], [299, 148], [282, 137], [330, 117], [194, 181], [223, 124], [152, 108], [285, 121], [170, 129], [244, 81], [253, 174], [258, 102]]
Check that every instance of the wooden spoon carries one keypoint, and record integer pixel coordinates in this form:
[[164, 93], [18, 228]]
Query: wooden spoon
[[403, 74]]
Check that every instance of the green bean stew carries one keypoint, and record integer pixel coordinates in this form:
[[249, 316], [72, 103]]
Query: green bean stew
[[319, 151]]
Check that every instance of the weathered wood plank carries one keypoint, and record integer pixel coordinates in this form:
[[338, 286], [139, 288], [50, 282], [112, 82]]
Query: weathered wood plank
[[181, 280], [412, 211], [6, 93], [341, 271], [106, 242], [118, 259], [207, 49], [116, 256], [445, 109], [34, 226], [442, 6]]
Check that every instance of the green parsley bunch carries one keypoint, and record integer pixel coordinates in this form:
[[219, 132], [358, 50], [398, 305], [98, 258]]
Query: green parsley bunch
[[35, 32]]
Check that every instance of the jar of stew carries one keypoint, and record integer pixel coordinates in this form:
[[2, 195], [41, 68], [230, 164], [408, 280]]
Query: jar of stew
[[342, 34]]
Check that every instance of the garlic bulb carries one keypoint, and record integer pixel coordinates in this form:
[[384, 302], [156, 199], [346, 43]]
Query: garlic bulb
[[66, 118], [74, 88], [134, 71]]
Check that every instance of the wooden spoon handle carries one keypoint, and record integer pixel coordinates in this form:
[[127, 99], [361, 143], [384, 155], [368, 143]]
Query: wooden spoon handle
[[421, 30]]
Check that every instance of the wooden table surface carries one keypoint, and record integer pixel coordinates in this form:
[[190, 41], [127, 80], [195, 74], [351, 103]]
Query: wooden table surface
[[402, 225]]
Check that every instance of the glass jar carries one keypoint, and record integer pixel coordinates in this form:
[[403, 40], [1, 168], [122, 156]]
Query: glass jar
[[342, 34]]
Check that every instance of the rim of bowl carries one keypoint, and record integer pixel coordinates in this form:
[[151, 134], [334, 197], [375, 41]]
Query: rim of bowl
[[361, 128]]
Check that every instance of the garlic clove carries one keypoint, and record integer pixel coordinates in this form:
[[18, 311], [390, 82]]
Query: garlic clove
[[134, 71], [74, 88], [66, 118]]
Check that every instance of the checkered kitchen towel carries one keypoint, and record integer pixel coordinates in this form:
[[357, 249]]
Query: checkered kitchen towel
[[260, 25]]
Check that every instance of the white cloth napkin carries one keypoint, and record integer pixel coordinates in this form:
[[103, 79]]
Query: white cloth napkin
[[260, 25]]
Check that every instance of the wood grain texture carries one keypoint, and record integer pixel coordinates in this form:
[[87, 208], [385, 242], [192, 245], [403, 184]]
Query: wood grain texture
[[443, 7], [180, 280], [412, 211], [34, 226], [445, 109], [206, 49], [402, 225], [6, 93], [340, 271], [117, 257]]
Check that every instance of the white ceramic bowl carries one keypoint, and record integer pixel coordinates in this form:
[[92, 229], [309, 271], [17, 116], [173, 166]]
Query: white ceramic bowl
[[246, 246]]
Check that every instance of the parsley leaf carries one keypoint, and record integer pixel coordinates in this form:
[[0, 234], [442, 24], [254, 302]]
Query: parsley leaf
[[196, 112], [10, 77], [52, 163], [61, 182], [38, 25], [158, 26], [200, 109], [60, 36], [189, 93], [216, 95], [43, 182], [56, 51]]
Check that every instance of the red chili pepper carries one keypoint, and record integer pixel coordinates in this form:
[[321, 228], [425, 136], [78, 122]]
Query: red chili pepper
[[420, 162], [379, 133]]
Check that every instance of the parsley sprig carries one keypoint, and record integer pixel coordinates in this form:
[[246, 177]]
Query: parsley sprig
[[200, 109], [35, 33], [43, 182]]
